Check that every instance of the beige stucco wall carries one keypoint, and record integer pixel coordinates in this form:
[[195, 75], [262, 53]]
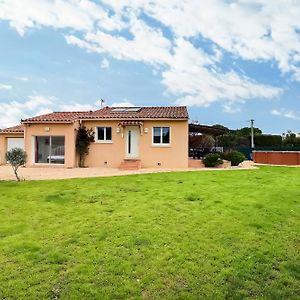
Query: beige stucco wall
[[67, 130], [3, 144], [112, 154], [101, 154], [173, 156]]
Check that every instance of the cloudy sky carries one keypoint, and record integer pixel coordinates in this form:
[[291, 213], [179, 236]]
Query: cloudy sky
[[229, 61]]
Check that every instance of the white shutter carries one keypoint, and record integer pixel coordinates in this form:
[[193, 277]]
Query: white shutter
[[15, 143]]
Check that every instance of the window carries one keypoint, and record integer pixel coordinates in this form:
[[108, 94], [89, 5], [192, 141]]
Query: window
[[50, 149], [103, 134], [161, 135]]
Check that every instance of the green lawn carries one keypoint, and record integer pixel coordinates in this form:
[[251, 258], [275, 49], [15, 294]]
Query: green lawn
[[189, 235]]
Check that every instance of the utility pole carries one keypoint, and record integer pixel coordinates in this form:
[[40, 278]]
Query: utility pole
[[252, 133]]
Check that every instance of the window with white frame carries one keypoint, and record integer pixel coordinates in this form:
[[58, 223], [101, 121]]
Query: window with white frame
[[161, 135], [103, 134]]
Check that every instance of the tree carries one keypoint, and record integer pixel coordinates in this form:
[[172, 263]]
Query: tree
[[238, 138], [17, 158], [246, 131], [201, 141], [83, 140], [290, 139], [219, 126]]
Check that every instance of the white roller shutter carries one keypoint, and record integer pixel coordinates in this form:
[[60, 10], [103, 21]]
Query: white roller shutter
[[15, 143]]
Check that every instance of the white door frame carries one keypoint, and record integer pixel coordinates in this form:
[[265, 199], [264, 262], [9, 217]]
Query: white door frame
[[132, 141]]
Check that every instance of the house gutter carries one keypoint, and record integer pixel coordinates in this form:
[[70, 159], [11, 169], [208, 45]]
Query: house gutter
[[80, 120], [137, 119], [47, 122]]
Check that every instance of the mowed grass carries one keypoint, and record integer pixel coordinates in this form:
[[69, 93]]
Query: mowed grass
[[186, 235]]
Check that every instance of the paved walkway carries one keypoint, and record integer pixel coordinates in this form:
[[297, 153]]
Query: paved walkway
[[42, 173]]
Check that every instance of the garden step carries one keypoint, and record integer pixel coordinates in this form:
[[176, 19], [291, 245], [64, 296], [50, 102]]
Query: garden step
[[130, 164]]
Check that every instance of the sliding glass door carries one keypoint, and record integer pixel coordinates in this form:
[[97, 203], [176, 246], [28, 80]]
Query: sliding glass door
[[50, 149], [57, 152], [42, 149]]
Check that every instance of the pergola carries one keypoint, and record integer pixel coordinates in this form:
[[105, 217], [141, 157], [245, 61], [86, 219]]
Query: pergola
[[204, 129]]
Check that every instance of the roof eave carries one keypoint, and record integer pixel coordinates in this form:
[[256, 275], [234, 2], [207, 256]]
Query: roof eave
[[47, 122], [11, 132], [141, 119]]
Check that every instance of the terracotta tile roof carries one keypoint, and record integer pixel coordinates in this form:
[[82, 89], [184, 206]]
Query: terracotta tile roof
[[14, 129], [155, 112], [137, 113], [62, 117]]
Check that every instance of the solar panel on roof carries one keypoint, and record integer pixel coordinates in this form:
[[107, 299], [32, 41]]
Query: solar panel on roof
[[134, 109], [118, 109], [128, 109]]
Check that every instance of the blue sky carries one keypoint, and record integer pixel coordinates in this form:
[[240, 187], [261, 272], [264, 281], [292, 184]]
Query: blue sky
[[229, 61]]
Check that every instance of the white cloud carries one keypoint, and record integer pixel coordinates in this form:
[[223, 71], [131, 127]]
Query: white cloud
[[191, 74], [104, 64], [21, 78], [76, 107], [195, 77], [37, 101], [5, 87], [147, 45], [11, 113], [124, 103], [251, 29], [275, 112], [43, 111], [254, 30], [231, 109], [286, 113], [81, 15]]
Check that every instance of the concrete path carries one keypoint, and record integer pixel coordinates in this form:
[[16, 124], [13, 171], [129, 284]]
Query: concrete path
[[44, 173]]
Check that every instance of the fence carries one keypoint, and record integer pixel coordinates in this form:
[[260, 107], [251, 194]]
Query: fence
[[291, 158], [248, 151]]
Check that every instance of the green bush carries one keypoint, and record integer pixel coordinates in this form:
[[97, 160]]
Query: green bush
[[212, 160], [235, 157], [84, 138], [223, 155]]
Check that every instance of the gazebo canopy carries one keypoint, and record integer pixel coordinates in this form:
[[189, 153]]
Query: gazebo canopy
[[204, 129]]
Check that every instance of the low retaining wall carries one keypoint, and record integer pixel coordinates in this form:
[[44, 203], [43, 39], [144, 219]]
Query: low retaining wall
[[290, 158], [197, 163]]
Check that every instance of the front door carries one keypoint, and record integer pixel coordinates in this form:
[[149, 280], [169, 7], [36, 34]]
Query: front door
[[132, 135]]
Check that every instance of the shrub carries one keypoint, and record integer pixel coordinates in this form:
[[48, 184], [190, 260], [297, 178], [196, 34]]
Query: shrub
[[223, 155], [83, 140], [212, 160], [235, 157], [17, 158]]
